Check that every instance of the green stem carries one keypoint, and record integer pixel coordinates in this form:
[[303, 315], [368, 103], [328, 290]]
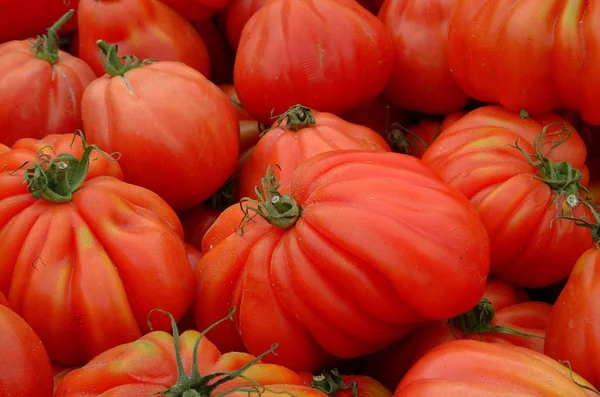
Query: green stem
[[298, 117], [113, 65], [330, 382], [46, 46]]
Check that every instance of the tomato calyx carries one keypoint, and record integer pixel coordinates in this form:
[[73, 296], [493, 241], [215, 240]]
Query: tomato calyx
[[196, 385], [280, 210], [298, 117], [46, 47], [115, 65], [478, 321], [330, 382]]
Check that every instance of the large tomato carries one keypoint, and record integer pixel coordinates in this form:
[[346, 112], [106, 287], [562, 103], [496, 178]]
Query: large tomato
[[340, 57], [522, 174], [471, 368], [574, 331], [184, 157], [297, 135], [25, 369], [337, 265], [25, 19], [86, 249], [421, 80], [527, 54], [41, 87], [144, 28]]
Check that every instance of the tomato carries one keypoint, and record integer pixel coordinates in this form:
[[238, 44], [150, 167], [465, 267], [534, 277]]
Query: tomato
[[147, 29], [335, 385], [41, 88], [237, 15], [421, 79], [553, 58], [183, 159], [196, 10], [319, 288], [480, 156], [353, 46], [574, 329], [471, 368], [26, 369], [95, 252], [380, 115], [25, 19], [297, 135], [221, 55]]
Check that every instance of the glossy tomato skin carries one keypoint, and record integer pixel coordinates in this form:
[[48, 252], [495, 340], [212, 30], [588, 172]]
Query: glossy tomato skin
[[334, 66], [26, 369], [421, 79], [39, 98], [324, 288], [574, 328], [553, 58], [475, 156], [26, 19], [183, 159], [98, 263], [471, 368], [196, 10], [147, 29]]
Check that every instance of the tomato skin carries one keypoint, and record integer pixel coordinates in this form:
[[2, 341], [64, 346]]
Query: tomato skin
[[420, 135], [197, 153], [144, 28], [98, 263], [352, 46], [554, 54], [39, 98], [379, 115], [196, 10], [421, 79], [196, 221], [473, 155], [574, 328], [471, 368], [26, 370], [320, 291], [26, 19], [220, 53], [237, 15]]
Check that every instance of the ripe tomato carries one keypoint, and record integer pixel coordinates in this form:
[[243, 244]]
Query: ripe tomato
[[421, 80], [479, 154], [574, 328], [553, 58], [95, 252], [196, 10], [318, 286], [471, 368], [237, 15], [145, 28], [25, 19], [183, 159], [351, 46], [25, 369], [41, 88], [297, 135]]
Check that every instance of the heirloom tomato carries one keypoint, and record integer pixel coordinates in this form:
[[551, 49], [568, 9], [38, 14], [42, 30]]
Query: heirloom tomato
[[334, 264], [41, 87], [527, 54], [25, 19], [523, 175], [297, 135], [471, 368], [80, 245], [421, 80], [184, 157], [340, 57], [144, 28]]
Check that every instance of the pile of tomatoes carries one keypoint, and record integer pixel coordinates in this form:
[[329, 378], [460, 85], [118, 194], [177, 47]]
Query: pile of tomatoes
[[310, 198]]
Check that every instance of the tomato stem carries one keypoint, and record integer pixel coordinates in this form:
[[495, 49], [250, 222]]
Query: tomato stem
[[113, 65], [330, 382], [46, 47], [298, 117]]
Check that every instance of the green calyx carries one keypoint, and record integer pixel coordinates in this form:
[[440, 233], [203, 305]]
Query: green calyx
[[298, 117], [115, 66], [46, 47], [330, 382]]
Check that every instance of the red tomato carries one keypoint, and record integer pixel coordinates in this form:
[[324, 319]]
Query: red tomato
[[25, 369], [144, 28], [537, 56], [471, 368], [196, 10], [352, 46], [300, 134], [41, 88], [319, 287], [237, 15], [98, 254], [574, 328], [221, 55], [530, 246], [183, 159], [25, 19], [421, 79]]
